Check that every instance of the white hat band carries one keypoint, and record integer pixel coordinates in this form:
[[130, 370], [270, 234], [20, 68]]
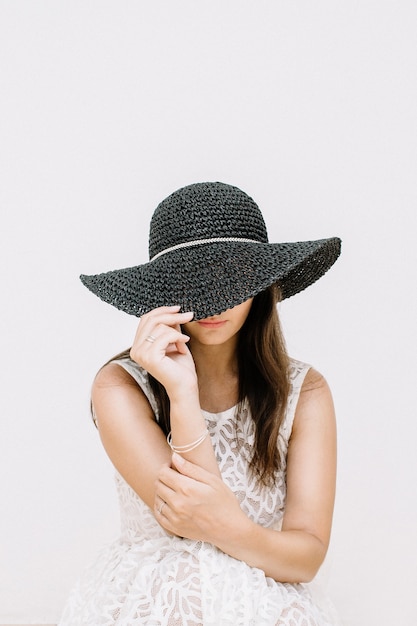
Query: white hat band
[[197, 242]]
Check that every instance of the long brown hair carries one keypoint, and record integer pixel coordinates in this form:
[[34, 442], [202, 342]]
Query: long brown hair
[[264, 379], [263, 369]]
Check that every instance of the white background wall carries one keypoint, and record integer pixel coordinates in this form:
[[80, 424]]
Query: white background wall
[[109, 106]]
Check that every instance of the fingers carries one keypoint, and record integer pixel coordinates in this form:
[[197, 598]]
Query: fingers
[[168, 340], [171, 487], [162, 337], [168, 315], [163, 316], [159, 506], [192, 507], [164, 496], [186, 468], [160, 328], [169, 482], [182, 476]]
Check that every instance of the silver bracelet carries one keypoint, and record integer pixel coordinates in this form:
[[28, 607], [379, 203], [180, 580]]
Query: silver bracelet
[[189, 446]]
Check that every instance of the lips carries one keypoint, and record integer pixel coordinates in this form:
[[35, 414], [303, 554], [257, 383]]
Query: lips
[[211, 324]]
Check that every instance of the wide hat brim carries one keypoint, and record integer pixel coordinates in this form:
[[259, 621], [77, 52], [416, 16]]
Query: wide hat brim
[[211, 278]]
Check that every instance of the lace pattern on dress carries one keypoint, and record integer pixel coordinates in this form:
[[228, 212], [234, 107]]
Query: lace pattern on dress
[[149, 577]]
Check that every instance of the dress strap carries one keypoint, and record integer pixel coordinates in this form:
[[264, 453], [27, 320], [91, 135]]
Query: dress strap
[[298, 372]]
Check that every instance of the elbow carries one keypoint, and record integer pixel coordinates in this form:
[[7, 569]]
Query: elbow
[[309, 570], [299, 575], [307, 575], [304, 573], [306, 569]]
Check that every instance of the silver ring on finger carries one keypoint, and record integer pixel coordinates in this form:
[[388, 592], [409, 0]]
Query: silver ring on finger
[[161, 507], [150, 338]]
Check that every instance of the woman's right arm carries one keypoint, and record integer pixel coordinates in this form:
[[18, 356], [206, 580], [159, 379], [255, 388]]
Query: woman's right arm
[[130, 434]]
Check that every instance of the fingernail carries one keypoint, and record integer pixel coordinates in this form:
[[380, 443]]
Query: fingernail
[[178, 460]]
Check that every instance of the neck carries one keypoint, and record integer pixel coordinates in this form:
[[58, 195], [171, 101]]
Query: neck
[[217, 372], [215, 361]]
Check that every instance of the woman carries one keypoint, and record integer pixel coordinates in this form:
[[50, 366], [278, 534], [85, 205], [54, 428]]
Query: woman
[[225, 448]]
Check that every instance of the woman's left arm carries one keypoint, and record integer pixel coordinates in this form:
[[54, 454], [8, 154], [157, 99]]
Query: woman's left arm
[[206, 509]]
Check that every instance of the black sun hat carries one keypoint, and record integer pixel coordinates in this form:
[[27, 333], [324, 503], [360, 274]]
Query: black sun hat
[[209, 251]]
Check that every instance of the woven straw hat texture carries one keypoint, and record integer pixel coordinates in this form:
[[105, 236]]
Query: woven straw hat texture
[[209, 251]]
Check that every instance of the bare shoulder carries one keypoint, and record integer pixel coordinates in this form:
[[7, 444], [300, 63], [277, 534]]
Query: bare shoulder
[[115, 390], [112, 374], [315, 401], [129, 430]]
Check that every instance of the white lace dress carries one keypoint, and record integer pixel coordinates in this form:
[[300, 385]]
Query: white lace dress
[[149, 577]]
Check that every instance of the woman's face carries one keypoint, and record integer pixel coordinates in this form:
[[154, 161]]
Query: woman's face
[[219, 329]]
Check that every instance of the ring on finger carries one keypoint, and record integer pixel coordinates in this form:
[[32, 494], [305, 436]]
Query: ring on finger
[[150, 338]]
